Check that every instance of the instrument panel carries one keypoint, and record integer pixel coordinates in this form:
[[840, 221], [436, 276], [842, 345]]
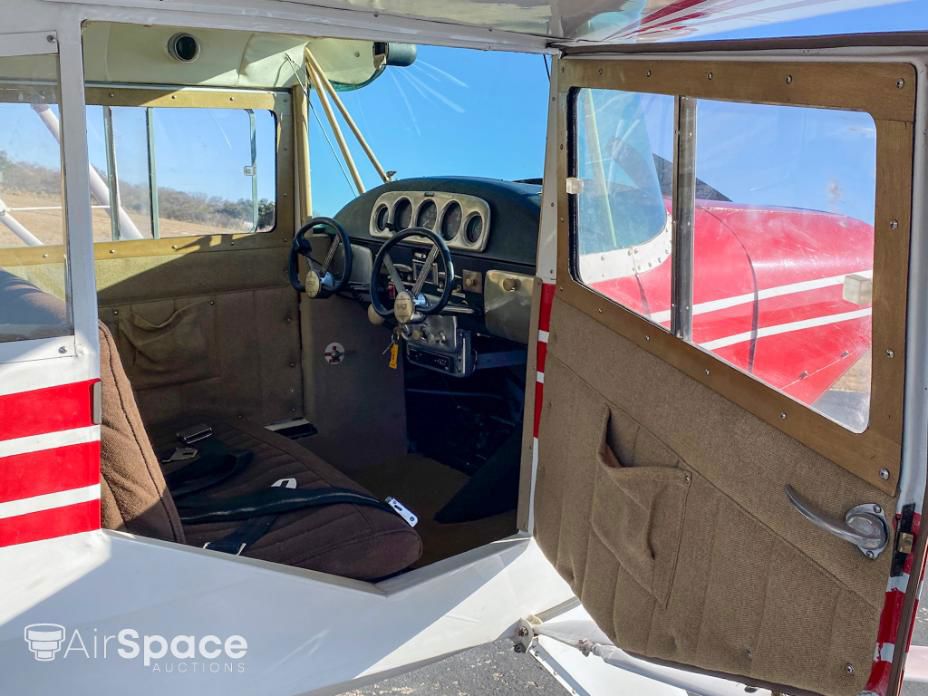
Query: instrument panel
[[462, 220]]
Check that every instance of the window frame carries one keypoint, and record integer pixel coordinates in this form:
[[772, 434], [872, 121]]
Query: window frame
[[884, 90], [65, 345], [276, 102]]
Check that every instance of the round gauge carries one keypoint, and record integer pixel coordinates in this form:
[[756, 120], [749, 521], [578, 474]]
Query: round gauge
[[382, 217], [402, 214], [451, 220], [427, 214], [473, 230]]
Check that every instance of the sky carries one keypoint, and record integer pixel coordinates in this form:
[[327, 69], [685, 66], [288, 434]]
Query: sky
[[453, 112]]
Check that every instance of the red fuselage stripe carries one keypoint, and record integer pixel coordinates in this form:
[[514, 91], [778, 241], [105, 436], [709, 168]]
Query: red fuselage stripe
[[49, 471], [46, 524], [64, 407]]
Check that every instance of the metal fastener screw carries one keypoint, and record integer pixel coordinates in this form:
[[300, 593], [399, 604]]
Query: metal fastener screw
[[50, 38], [519, 648], [115, 312], [890, 353], [869, 554], [710, 75], [884, 474], [599, 72], [647, 338], [648, 74], [893, 224], [789, 79], [523, 631], [62, 349], [782, 415], [849, 668], [877, 509], [707, 372], [599, 309], [900, 83]]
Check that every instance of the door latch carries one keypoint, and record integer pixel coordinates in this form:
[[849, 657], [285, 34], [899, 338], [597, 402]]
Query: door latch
[[865, 525]]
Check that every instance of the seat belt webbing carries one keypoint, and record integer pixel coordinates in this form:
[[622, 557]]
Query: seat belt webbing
[[267, 501]]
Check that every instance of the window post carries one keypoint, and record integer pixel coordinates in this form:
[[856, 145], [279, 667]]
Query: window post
[[682, 212]]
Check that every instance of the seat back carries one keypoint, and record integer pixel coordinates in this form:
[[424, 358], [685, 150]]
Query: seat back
[[134, 495]]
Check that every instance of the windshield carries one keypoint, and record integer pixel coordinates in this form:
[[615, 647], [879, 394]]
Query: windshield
[[454, 112]]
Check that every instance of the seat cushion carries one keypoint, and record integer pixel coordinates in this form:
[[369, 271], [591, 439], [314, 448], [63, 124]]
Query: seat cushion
[[348, 540]]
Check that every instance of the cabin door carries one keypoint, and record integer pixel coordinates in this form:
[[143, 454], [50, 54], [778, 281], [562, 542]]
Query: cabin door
[[722, 475]]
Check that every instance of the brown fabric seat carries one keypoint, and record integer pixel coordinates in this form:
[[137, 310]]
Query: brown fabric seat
[[348, 540]]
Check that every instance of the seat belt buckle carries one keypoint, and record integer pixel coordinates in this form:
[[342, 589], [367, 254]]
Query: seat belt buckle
[[408, 515], [237, 553], [195, 433], [180, 454]]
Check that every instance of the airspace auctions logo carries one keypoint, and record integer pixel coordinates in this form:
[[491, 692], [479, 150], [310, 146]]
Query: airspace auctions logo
[[181, 653]]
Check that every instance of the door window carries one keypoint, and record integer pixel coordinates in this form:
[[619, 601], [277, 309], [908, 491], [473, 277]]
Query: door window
[[624, 154], [34, 288], [771, 213]]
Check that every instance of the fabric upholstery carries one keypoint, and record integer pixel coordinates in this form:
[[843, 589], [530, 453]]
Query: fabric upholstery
[[348, 540], [234, 353], [134, 495], [662, 504]]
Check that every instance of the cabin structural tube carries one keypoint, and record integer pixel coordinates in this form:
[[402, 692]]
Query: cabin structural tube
[[98, 187]]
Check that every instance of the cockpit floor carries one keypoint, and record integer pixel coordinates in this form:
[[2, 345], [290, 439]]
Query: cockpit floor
[[425, 485]]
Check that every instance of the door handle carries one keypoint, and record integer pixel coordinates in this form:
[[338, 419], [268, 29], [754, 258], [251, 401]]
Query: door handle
[[864, 526]]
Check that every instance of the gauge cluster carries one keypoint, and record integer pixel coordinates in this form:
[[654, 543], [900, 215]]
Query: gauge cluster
[[463, 221]]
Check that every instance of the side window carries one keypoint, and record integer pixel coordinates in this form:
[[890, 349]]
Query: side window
[[624, 152], [181, 171], [773, 218], [33, 290], [782, 271]]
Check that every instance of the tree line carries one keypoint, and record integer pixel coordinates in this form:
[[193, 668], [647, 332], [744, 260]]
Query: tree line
[[200, 208]]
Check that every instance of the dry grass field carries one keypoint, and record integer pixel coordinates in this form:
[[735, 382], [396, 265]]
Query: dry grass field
[[47, 225]]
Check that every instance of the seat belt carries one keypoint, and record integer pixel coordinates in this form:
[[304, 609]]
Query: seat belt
[[247, 534], [212, 465], [274, 500], [261, 509]]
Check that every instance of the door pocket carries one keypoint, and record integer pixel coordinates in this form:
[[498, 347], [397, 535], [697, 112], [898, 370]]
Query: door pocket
[[638, 515], [176, 349]]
